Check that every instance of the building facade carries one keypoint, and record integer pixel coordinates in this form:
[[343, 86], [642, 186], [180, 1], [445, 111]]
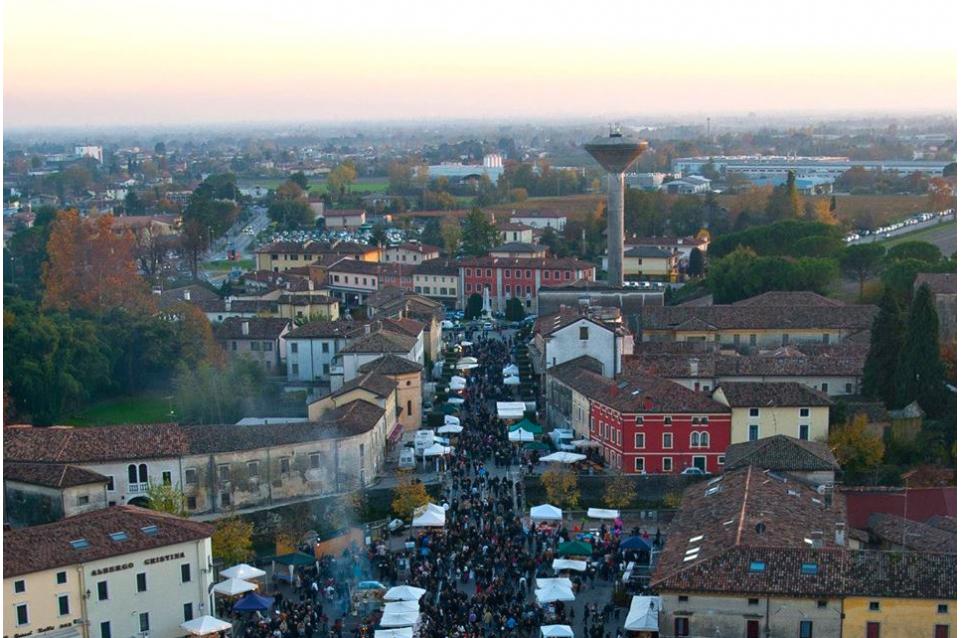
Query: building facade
[[760, 410], [521, 278]]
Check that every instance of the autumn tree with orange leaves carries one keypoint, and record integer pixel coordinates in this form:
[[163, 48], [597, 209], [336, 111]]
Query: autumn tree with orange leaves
[[92, 268]]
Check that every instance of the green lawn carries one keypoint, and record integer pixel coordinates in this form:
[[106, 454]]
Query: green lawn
[[149, 408], [318, 185], [226, 265]]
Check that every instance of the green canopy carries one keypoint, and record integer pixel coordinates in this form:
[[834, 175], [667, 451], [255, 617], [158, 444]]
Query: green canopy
[[296, 558], [533, 428], [537, 445], [574, 548]]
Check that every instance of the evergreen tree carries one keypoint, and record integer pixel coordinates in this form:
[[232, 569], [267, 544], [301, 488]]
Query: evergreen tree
[[887, 338], [920, 371], [785, 201], [480, 233], [475, 304], [695, 265], [514, 310]]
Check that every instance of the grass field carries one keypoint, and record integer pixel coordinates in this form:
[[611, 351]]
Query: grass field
[[226, 265], [148, 408], [317, 185]]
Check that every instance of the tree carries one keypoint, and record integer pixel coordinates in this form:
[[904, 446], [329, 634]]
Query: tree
[[695, 264], [164, 497], [480, 233], [209, 394], [132, 204], [340, 179], [378, 235], [518, 195], [409, 494], [300, 179], [620, 491], [514, 310], [232, 540], [856, 449], [560, 484], [785, 201], [92, 268], [450, 236], [887, 339], [920, 250], [431, 233], [920, 372], [289, 206], [941, 194], [475, 304], [860, 261]]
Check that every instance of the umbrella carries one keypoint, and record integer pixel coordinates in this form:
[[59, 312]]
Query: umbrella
[[562, 563], [401, 619], [371, 584], [546, 513], [575, 548], [404, 592], [528, 426], [401, 606], [634, 542], [450, 428], [547, 582], [537, 445], [253, 602], [205, 625], [234, 587], [519, 435], [451, 420], [563, 457], [401, 632], [243, 571], [557, 631], [554, 593]]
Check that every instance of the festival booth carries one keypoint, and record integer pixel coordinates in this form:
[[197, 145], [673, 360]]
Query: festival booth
[[554, 593], [636, 547], [642, 617], [466, 363], [437, 451], [547, 582], [367, 596], [602, 514], [450, 428], [527, 426], [511, 370], [404, 592], [547, 517], [457, 383], [206, 626], [567, 458], [456, 401], [520, 436], [511, 410], [243, 571], [575, 548], [292, 561], [563, 564], [253, 602], [401, 619], [429, 515], [401, 632], [512, 380], [557, 631], [450, 419], [233, 587], [562, 439], [401, 606]]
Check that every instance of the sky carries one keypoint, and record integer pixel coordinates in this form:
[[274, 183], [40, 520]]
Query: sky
[[103, 62]]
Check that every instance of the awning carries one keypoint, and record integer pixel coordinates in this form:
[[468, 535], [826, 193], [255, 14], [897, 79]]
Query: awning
[[450, 419], [429, 515], [643, 613], [563, 457], [403, 619], [547, 582], [517, 436], [595, 512], [404, 592], [511, 409], [204, 625], [554, 593], [401, 606], [574, 548], [243, 571], [450, 428], [557, 631], [233, 587], [527, 425], [560, 564], [401, 632], [582, 443], [396, 433], [546, 512]]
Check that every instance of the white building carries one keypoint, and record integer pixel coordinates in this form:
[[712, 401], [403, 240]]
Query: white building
[[88, 150], [410, 253], [563, 337], [372, 346], [113, 573], [540, 219], [311, 348], [690, 185]]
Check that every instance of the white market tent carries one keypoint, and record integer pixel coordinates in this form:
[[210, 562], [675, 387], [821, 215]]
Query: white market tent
[[520, 436], [581, 443], [233, 587], [455, 401], [450, 419], [466, 344], [643, 613], [429, 515], [610, 515], [511, 370], [404, 592], [547, 582], [560, 564], [466, 363], [554, 593], [402, 632], [437, 450], [510, 409], [205, 625], [546, 512], [458, 383], [401, 606], [403, 619], [563, 457], [512, 380], [450, 428], [557, 631], [243, 571]]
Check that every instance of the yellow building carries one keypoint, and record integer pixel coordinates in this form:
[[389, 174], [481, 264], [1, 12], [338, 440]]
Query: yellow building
[[284, 255], [760, 410], [649, 262], [303, 305]]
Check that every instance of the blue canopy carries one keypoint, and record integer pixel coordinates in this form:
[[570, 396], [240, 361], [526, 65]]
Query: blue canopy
[[635, 542], [254, 602]]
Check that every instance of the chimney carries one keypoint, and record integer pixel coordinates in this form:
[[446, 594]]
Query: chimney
[[839, 534], [187, 295], [245, 328]]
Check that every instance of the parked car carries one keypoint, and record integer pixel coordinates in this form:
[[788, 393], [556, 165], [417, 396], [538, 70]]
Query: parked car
[[694, 471]]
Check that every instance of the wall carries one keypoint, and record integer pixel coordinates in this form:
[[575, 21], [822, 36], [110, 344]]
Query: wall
[[899, 617], [125, 492], [243, 349], [727, 616], [771, 337], [409, 391], [440, 286], [41, 596], [29, 504], [310, 358], [771, 421], [565, 344], [836, 386]]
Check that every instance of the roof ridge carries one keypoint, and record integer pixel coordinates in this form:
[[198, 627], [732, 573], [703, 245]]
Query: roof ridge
[[747, 491]]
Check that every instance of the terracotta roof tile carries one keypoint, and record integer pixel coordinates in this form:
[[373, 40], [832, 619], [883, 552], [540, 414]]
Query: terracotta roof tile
[[105, 443], [757, 394], [781, 453], [258, 328], [55, 475]]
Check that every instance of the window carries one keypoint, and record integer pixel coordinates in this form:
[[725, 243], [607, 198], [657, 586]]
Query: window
[[188, 611], [806, 629], [753, 601], [848, 388], [141, 582], [668, 420], [667, 441], [809, 568], [167, 478], [253, 469], [255, 345], [682, 628], [268, 346], [757, 566], [583, 333], [142, 472], [144, 621], [874, 605], [314, 461], [825, 338], [754, 411], [326, 368], [61, 578], [190, 476], [639, 441], [639, 464], [410, 408], [284, 465], [191, 502], [295, 368], [102, 593], [233, 346], [805, 413], [705, 440], [507, 289], [23, 618], [223, 473], [110, 487], [753, 340], [225, 499], [737, 340], [293, 348], [942, 609], [63, 604], [131, 474], [682, 599], [720, 460], [752, 432], [695, 439], [507, 274], [667, 464], [185, 573], [19, 586], [753, 629], [873, 630], [784, 339], [802, 432], [941, 631]]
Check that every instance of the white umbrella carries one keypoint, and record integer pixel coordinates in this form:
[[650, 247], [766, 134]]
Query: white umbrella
[[402, 619], [401, 606], [205, 625], [510, 409], [643, 613], [609, 515], [402, 632], [243, 571], [429, 515], [547, 582], [450, 428], [585, 443], [512, 381], [557, 631], [404, 592], [560, 564], [450, 419], [234, 587], [546, 513], [563, 457], [554, 593], [520, 435]]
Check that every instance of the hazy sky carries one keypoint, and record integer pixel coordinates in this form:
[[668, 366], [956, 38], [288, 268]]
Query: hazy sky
[[71, 62]]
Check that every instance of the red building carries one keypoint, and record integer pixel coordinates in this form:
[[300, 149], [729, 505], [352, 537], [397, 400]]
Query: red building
[[651, 425], [507, 277]]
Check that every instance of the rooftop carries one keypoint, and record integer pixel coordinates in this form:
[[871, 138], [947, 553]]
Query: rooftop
[[757, 394], [56, 475], [327, 330], [912, 535], [939, 283], [382, 342], [372, 382], [749, 315], [781, 453], [390, 364], [105, 443], [258, 328]]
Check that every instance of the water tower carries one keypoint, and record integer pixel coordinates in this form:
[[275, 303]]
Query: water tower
[[615, 153]]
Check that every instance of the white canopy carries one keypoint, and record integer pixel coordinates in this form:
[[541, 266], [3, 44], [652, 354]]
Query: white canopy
[[547, 582], [510, 409], [450, 419], [402, 632], [466, 363], [511, 370], [404, 592], [557, 631], [546, 512], [563, 457], [234, 587], [450, 428], [429, 515], [520, 435], [594, 512], [585, 443], [554, 593], [437, 450], [402, 619], [565, 563], [243, 571], [466, 344], [205, 625], [458, 383], [455, 401], [401, 606], [643, 613], [512, 381]]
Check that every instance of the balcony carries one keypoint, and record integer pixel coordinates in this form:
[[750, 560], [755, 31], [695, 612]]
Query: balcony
[[138, 488]]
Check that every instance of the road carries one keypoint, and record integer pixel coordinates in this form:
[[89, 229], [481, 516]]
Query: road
[[944, 236], [941, 239]]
